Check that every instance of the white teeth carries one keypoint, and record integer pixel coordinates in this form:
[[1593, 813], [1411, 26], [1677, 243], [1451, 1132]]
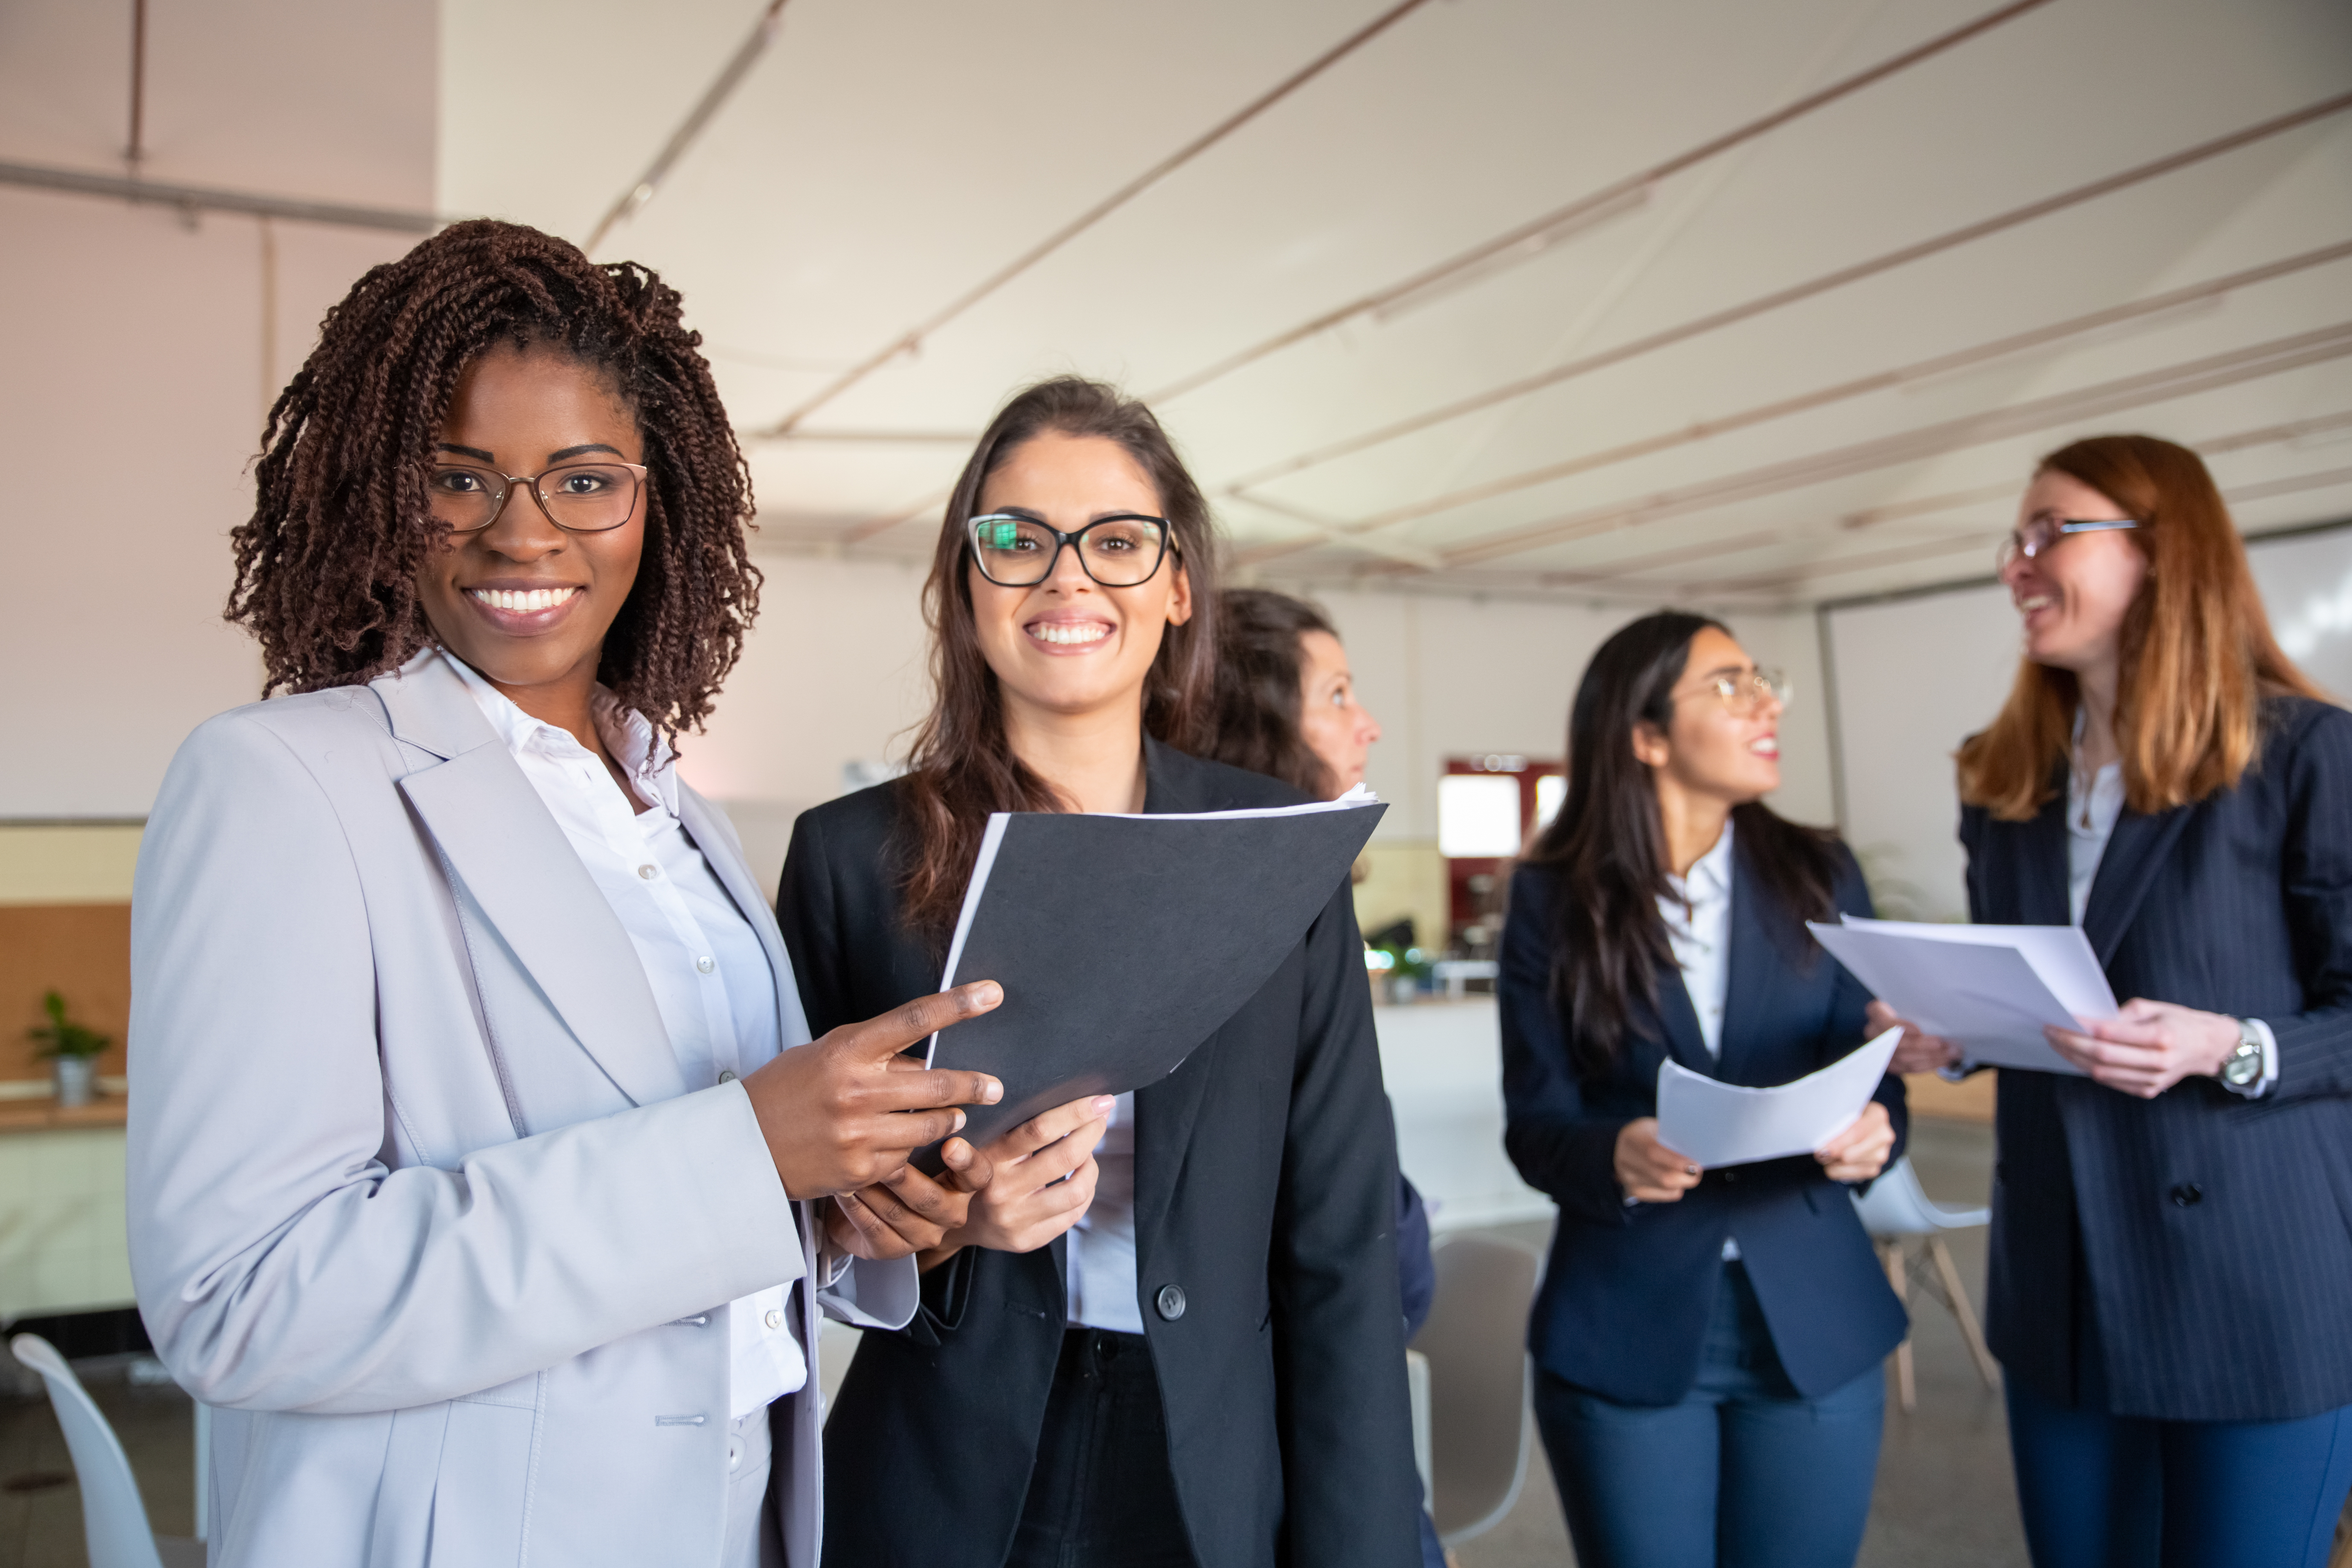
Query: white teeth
[[2037, 602], [526, 601], [1063, 634]]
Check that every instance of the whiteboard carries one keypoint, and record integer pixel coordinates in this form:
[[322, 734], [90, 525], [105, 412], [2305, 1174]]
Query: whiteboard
[[1913, 677]]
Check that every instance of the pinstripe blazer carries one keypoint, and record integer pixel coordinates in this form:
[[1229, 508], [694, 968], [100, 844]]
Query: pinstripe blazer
[[2211, 1235]]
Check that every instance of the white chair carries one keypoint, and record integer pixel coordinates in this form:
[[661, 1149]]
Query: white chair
[[1896, 1211], [113, 1520], [1479, 1405]]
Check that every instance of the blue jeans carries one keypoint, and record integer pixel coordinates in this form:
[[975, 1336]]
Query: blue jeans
[[1744, 1472], [2099, 1490]]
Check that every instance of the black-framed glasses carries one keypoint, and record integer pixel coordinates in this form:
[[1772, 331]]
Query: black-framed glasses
[[1016, 552], [2041, 532], [1745, 693], [578, 498]]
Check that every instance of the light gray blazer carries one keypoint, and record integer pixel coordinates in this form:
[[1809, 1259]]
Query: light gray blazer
[[420, 1198]]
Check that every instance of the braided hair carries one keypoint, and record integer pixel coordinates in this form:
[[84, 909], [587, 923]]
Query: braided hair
[[326, 566]]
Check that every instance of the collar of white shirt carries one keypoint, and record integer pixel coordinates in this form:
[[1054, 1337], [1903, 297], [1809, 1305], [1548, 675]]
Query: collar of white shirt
[[1709, 877], [643, 754]]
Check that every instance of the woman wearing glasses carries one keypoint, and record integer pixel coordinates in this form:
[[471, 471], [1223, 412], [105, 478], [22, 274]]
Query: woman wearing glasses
[[1189, 1351], [1706, 1342], [2172, 1231], [474, 1093]]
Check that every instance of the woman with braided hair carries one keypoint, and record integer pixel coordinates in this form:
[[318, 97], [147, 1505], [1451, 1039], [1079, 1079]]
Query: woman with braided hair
[[482, 1176]]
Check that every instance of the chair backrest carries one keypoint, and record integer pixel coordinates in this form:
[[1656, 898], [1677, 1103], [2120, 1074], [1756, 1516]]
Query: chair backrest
[[113, 1520], [1478, 1398], [1897, 1205]]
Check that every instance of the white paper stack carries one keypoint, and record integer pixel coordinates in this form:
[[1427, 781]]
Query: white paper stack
[[1989, 989], [1718, 1123]]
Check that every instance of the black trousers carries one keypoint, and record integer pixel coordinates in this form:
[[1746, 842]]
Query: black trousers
[[1102, 1494]]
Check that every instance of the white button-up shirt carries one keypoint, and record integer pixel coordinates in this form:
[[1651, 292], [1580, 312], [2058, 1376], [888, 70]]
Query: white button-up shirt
[[1697, 912], [709, 976], [1100, 1276]]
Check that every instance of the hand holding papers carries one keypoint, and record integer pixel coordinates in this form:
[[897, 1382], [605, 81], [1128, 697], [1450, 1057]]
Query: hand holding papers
[[1989, 989], [1122, 943], [1718, 1123]]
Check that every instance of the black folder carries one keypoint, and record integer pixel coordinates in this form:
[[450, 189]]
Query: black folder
[[1122, 943]]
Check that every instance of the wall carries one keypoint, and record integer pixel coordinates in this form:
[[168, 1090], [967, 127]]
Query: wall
[[834, 674], [142, 346]]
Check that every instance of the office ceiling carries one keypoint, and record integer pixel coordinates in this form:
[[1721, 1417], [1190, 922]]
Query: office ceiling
[[1810, 359]]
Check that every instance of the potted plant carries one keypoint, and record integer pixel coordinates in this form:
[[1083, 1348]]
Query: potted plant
[[73, 1050]]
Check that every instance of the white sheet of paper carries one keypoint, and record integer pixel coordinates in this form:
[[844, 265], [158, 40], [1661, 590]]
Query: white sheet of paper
[[1718, 1123], [1990, 989]]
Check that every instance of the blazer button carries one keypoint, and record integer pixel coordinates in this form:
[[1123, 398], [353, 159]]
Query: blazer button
[[1170, 1301], [2189, 1194]]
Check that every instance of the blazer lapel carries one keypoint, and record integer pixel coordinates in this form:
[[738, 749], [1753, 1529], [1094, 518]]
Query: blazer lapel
[[500, 840], [1752, 969], [2044, 898], [2128, 868], [723, 851], [1679, 1019]]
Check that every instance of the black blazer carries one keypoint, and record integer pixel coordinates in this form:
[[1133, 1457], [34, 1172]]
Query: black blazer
[[1624, 1307], [1265, 1190], [2214, 1231]]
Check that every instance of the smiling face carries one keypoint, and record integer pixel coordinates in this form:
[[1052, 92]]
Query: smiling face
[[523, 602], [2073, 595], [1070, 646], [1330, 720], [1709, 750]]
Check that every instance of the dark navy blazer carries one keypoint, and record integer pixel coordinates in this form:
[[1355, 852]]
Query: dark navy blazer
[[1625, 1303], [2214, 1231], [1265, 1211]]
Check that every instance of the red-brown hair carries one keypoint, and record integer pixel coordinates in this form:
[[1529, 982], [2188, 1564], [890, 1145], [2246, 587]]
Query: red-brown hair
[[2198, 653], [961, 767]]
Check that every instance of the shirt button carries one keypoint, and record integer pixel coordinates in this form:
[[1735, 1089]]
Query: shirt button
[[704, 965], [775, 1319], [727, 1075], [647, 872]]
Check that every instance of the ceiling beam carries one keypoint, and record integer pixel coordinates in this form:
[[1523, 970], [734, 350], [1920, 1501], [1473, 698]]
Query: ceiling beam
[[2258, 360], [2056, 333], [913, 338], [1576, 214], [1780, 299], [208, 198]]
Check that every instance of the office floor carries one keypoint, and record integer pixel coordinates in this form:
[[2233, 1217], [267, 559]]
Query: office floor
[[1944, 1494]]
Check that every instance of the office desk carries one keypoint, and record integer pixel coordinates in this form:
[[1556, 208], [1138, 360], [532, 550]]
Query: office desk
[[62, 1241], [1442, 1061]]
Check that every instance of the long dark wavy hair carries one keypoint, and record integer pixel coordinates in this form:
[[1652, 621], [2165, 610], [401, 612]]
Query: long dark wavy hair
[[961, 767], [1259, 665], [1608, 844], [326, 566]]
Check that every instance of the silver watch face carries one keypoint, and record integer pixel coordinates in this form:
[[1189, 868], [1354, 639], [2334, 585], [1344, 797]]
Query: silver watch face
[[2245, 1064]]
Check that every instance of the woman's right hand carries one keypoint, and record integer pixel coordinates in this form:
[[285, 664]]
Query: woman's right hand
[[1650, 1171], [1027, 1203], [1916, 1051]]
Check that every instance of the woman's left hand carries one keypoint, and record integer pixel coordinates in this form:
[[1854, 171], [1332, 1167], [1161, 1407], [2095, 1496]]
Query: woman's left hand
[[2148, 1046], [907, 1212], [1860, 1152]]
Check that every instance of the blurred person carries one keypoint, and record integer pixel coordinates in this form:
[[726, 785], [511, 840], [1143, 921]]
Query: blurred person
[[482, 1179], [1286, 707], [1166, 1332], [1707, 1342], [2170, 1285]]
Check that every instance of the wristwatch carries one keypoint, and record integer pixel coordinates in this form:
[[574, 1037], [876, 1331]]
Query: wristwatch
[[2242, 1069]]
